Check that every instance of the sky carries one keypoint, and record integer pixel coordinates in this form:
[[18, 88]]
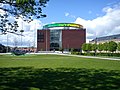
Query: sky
[[99, 17]]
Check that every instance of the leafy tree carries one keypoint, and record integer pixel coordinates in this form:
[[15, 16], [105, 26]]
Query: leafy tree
[[112, 46], [6, 25], [87, 47], [100, 47], [4, 49], [118, 46], [84, 47], [25, 8], [105, 46], [94, 47]]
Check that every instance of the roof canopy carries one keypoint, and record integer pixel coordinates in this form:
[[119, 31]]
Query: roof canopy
[[62, 25]]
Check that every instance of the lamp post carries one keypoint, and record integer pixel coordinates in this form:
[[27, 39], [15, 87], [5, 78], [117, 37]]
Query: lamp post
[[7, 44], [96, 46], [34, 37], [21, 31], [46, 40], [21, 37]]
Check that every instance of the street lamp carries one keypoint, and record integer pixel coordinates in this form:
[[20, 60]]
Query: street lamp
[[96, 46], [34, 37], [46, 40], [21, 37]]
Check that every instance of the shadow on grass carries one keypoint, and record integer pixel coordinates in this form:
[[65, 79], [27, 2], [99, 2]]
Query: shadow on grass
[[24, 78]]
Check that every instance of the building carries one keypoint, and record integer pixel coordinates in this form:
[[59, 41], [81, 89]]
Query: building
[[115, 38], [60, 36]]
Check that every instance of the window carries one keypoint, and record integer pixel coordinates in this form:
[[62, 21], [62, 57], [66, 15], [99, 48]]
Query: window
[[40, 37]]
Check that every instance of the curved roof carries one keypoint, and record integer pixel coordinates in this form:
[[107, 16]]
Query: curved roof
[[62, 25]]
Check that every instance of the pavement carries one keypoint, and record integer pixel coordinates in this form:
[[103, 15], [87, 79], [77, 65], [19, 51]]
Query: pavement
[[68, 54], [118, 59]]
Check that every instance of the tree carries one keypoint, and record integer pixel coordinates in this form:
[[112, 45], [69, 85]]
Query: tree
[[112, 46], [84, 47], [100, 47], [87, 47], [3, 49], [105, 46], [94, 47], [118, 46], [6, 25], [24, 8]]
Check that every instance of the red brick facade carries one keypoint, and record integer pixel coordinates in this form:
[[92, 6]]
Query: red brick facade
[[45, 44], [73, 38], [70, 39]]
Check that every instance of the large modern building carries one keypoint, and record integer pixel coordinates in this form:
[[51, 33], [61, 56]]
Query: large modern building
[[60, 35], [115, 38]]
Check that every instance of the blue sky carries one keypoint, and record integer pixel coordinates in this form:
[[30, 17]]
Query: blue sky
[[99, 17], [86, 9]]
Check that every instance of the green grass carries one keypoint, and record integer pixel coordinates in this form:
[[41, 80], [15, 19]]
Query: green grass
[[56, 72], [57, 61]]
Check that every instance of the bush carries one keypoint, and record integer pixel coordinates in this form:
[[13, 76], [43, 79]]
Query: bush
[[102, 54], [76, 53], [97, 54]]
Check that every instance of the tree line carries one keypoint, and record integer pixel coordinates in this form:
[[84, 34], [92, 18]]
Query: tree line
[[110, 46], [4, 49]]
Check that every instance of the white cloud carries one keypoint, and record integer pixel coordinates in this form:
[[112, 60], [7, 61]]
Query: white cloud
[[69, 15], [2, 12], [66, 14], [113, 3], [108, 24], [72, 16], [30, 33]]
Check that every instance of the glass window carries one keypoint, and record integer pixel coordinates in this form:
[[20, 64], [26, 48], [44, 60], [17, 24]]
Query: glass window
[[55, 39], [40, 37]]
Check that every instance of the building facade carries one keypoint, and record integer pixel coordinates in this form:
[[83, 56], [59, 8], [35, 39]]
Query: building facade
[[115, 38], [60, 36]]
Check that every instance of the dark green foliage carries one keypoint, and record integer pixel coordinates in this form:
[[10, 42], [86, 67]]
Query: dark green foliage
[[7, 26], [25, 8], [84, 47], [100, 47], [98, 54], [76, 53], [109, 54], [2, 48], [105, 46], [94, 47], [87, 47], [112, 46], [28, 78], [118, 46]]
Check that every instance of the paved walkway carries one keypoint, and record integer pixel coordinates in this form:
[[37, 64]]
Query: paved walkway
[[91, 57], [67, 54]]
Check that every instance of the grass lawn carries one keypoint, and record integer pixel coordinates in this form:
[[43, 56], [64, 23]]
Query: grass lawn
[[57, 61], [56, 72]]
